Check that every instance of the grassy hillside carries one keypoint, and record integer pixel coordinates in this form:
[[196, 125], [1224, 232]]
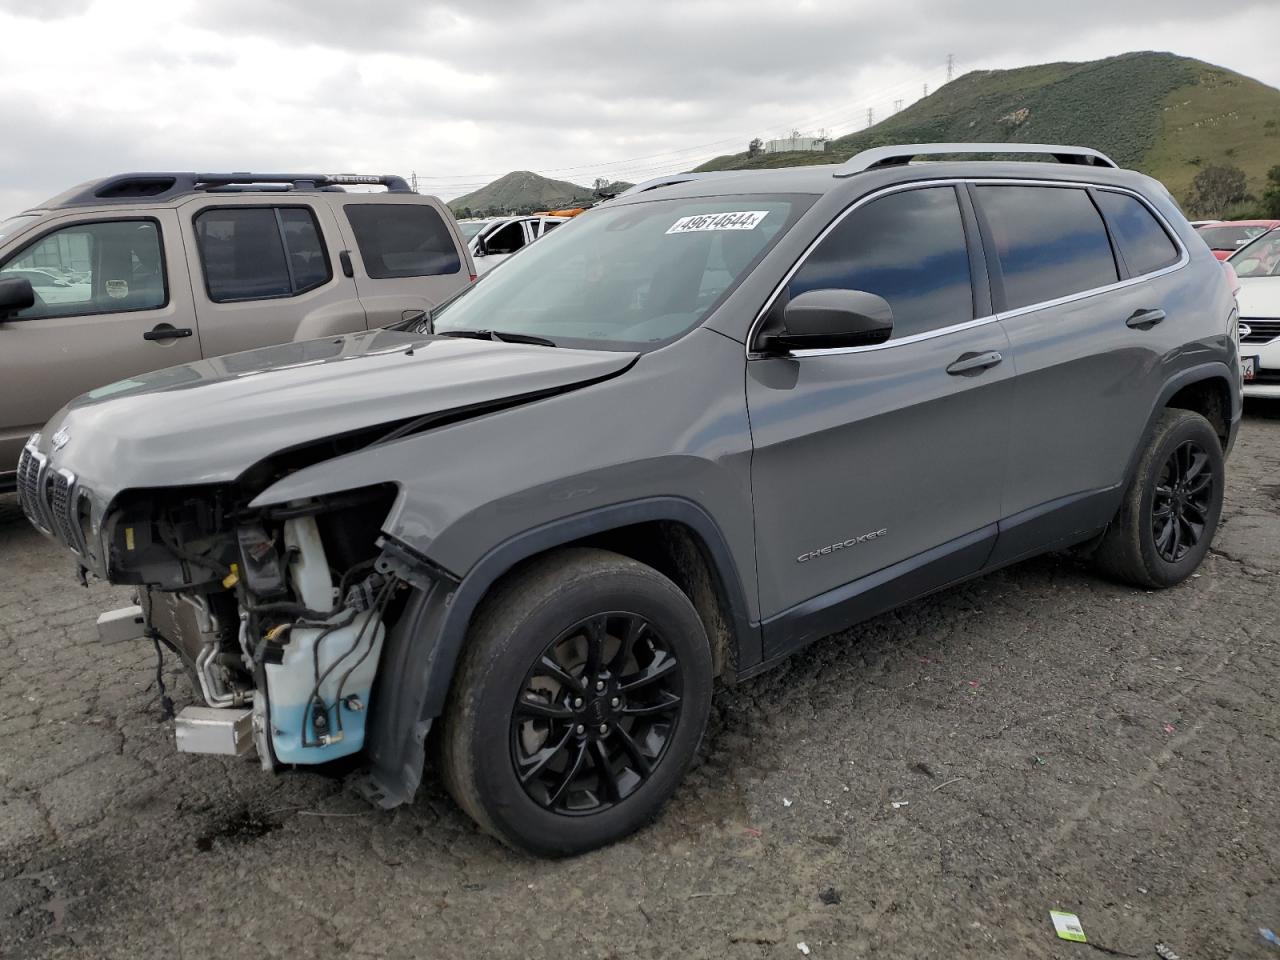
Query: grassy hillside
[[1163, 114], [524, 192]]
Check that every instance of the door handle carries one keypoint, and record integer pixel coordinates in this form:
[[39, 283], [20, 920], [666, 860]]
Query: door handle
[[974, 363], [1144, 319], [344, 260], [164, 331]]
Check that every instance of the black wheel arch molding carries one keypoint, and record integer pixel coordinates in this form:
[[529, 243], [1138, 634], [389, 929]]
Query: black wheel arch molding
[[421, 653]]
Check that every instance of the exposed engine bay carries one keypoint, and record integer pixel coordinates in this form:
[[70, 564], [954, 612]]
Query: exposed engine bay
[[279, 615]]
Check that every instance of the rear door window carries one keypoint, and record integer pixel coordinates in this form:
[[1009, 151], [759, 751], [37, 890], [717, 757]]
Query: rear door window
[[1050, 242], [909, 248], [109, 266], [1143, 243], [260, 253], [402, 240]]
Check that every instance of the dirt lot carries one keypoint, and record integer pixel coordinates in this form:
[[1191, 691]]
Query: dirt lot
[[930, 784]]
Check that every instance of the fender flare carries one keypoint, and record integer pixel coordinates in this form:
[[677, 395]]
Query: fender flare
[[1213, 370], [421, 653]]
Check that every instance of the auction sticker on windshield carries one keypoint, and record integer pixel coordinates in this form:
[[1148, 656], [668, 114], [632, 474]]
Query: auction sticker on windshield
[[742, 220]]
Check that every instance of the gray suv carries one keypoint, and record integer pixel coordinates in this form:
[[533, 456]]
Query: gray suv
[[680, 438]]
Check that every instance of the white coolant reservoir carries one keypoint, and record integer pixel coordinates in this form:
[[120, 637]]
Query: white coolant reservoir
[[342, 660]]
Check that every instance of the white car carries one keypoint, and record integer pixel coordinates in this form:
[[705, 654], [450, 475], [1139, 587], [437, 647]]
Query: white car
[[500, 238], [1258, 267]]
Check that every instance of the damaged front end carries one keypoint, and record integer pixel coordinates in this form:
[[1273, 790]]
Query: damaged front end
[[279, 614]]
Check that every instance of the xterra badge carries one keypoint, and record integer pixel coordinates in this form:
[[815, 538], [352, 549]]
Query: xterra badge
[[842, 545]]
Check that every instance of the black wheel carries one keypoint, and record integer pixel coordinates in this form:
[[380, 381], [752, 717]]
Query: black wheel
[[579, 703], [1171, 509]]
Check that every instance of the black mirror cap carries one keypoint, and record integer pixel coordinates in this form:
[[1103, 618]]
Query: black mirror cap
[[822, 319], [16, 294]]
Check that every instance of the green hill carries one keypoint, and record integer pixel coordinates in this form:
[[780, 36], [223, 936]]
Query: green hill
[[524, 192], [1156, 112]]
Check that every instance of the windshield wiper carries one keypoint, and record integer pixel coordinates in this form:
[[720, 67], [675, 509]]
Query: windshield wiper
[[500, 336]]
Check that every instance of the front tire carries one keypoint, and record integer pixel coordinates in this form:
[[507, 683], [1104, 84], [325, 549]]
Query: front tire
[[579, 703], [1171, 510]]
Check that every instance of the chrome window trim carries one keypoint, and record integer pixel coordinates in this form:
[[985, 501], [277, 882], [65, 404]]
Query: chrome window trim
[[1183, 259]]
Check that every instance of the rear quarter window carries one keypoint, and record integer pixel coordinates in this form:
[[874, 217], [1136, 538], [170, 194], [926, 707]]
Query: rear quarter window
[[1050, 242], [402, 240], [1143, 243]]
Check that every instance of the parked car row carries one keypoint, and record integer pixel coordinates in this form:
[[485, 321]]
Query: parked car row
[[1257, 265], [492, 241]]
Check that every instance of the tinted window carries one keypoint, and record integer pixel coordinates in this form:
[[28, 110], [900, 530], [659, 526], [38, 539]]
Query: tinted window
[[1050, 241], [103, 267], [402, 240], [907, 247], [1143, 243], [255, 253], [1261, 258], [506, 239]]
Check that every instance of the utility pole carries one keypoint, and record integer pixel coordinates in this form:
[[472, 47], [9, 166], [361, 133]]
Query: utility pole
[[871, 116], [897, 105], [951, 66]]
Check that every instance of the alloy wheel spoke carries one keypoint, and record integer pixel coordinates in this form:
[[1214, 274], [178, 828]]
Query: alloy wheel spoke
[[1175, 548], [1197, 461], [595, 631], [570, 773], [1164, 536], [669, 703], [551, 668], [636, 627], [644, 765], [608, 779], [655, 671], [1201, 483], [532, 706], [537, 763]]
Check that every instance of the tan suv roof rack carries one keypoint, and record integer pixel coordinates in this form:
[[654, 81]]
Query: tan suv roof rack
[[135, 187]]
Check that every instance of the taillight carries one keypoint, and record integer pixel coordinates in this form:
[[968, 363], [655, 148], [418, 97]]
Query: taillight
[[473, 277]]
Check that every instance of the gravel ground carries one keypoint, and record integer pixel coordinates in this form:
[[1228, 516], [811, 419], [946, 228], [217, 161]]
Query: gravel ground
[[929, 784]]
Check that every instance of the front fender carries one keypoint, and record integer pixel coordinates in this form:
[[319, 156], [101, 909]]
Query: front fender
[[421, 653]]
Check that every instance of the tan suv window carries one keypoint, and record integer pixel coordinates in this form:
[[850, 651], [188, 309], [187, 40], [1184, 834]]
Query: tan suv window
[[90, 268], [402, 240], [257, 253]]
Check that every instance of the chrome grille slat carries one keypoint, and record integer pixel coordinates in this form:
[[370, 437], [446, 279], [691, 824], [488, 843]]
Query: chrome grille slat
[[1260, 331], [30, 471]]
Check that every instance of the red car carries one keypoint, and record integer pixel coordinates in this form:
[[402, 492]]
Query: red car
[[1228, 236]]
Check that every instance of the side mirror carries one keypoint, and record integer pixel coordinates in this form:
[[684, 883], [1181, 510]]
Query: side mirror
[[479, 251], [15, 295], [832, 318]]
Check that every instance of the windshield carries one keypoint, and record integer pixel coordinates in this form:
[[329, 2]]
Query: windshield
[[13, 223], [1260, 258], [626, 277], [1229, 237], [470, 228]]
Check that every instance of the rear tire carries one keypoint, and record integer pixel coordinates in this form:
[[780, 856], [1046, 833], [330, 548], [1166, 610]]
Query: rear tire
[[1171, 510], [578, 705]]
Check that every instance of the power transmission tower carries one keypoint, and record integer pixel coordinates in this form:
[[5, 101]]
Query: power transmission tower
[[413, 181], [897, 105], [926, 89], [871, 116], [951, 66]]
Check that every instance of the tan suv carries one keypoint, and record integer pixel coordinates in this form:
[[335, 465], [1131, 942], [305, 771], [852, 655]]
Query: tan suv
[[142, 271]]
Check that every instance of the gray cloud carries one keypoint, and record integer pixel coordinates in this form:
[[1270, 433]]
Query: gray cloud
[[461, 91]]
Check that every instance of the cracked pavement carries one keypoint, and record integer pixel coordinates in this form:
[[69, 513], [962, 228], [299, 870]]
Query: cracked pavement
[[930, 783]]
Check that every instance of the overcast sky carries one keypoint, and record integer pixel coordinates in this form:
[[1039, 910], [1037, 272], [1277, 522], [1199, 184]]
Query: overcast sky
[[462, 93]]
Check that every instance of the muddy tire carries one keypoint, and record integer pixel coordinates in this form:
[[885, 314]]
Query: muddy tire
[[578, 704], [1171, 510]]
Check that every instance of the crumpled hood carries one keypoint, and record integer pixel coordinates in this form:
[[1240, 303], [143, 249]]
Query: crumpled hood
[[207, 422]]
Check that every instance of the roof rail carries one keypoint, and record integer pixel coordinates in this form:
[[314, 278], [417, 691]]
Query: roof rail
[[134, 187], [878, 157]]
